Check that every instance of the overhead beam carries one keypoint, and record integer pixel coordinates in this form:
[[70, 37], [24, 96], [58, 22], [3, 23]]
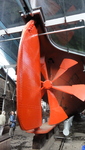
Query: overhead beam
[[11, 30], [8, 66], [52, 22], [66, 19], [11, 36], [20, 4], [19, 28], [46, 33], [29, 6]]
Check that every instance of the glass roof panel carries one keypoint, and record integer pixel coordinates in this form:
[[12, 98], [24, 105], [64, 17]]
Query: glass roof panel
[[58, 8], [53, 9], [9, 13], [10, 17], [10, 47], [70, 40]]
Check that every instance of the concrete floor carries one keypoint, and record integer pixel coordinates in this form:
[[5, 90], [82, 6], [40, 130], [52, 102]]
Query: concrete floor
[[70, 144], [76, 138], [75, 141], [21, 140]]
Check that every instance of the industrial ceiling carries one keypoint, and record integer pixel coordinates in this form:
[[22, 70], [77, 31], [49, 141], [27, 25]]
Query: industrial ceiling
[[11, 18]]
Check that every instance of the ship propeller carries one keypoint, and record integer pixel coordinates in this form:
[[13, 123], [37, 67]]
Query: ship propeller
[[57, 114], [29, 89]]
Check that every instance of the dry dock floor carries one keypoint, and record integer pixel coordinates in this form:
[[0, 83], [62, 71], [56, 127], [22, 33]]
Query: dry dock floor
[[75, 141]]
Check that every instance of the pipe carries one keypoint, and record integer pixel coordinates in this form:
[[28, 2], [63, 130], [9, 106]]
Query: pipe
[[67, 125], [46, 33], [3, 105]]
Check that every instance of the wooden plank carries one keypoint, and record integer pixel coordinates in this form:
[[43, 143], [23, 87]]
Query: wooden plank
[[45, 128], [5, 142], [44, 141]]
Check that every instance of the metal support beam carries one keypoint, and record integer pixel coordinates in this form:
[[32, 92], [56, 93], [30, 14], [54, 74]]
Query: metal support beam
[[11, 30], [52, 22], [29, 6], [67, 19], [8, 66], [22, 9], [47, 33], [11, 36], [4, 94]]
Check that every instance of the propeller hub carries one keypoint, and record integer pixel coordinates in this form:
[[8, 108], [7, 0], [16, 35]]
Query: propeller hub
[[47, 84]]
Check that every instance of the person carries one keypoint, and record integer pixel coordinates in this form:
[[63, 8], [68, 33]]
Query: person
[[12, 124], [2, 121], [15, 113]]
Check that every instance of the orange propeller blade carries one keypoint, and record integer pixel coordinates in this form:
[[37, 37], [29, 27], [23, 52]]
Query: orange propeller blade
[[43, 68], [65, 65], [76, 90], [57, 114], [28, 79]]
